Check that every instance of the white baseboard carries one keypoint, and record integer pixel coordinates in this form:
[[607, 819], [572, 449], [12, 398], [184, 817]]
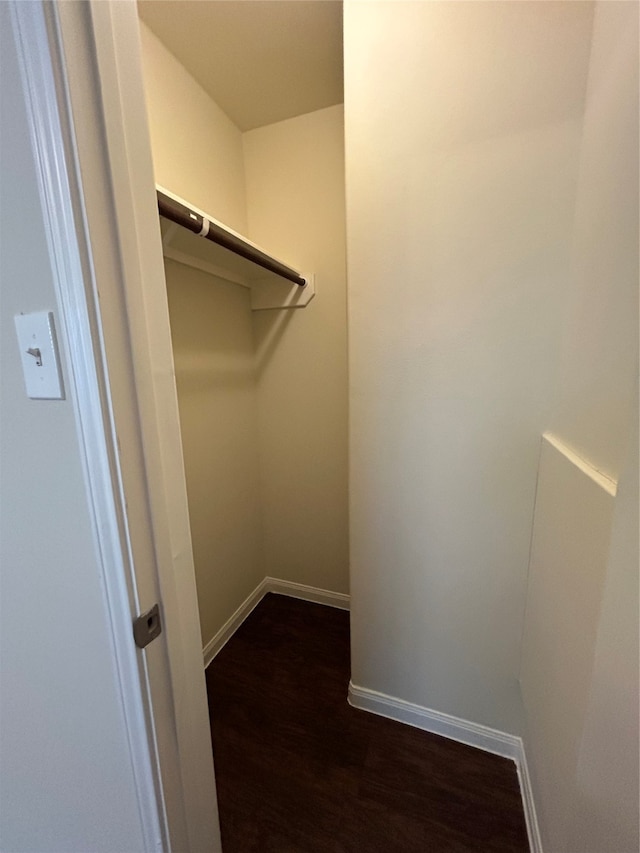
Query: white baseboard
[[308, 593], [528, 803], [463, 731], [233, 623], [473, 734], [294, 590]]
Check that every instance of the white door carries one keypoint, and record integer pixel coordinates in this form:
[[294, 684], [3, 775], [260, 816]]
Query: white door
[[82, 76]]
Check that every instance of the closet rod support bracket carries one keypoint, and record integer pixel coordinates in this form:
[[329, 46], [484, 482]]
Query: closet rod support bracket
[[270, 294]]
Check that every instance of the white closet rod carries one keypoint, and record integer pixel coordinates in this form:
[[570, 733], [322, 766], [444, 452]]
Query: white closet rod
[[183, 215]]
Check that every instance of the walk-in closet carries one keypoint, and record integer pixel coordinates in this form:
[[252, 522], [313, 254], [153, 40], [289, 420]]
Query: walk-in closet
[[259, 347], [319, 426], [458, 485]]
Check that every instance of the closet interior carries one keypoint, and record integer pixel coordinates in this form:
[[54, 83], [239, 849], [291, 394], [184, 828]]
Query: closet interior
[[252, 220]]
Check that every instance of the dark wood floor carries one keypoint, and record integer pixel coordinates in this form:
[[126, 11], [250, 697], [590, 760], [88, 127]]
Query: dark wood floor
[[299, 770]]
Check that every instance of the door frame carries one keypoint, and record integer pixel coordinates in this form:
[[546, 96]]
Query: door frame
[[81, 71]]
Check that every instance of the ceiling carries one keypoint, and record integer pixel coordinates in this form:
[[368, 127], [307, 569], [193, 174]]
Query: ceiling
[[261, 61]]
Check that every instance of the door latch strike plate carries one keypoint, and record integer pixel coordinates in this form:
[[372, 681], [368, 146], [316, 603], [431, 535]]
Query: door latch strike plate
[[147, 627]]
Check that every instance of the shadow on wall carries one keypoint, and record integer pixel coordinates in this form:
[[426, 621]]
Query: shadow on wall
[[268, 329]]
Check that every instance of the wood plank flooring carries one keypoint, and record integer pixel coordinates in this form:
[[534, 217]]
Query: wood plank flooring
[[298, 770]]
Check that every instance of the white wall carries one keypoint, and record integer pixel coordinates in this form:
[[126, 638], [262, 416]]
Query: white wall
[[463, 125], [295, 201], [580, 657], [571, 532], [66, 768], [600, 338], [197, 154], [580, 646], [604, 810]]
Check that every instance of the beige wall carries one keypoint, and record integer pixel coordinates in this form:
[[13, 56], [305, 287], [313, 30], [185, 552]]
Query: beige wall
[[213, 354], [580, 648], [197, 150], [295, 199], [463, 126]]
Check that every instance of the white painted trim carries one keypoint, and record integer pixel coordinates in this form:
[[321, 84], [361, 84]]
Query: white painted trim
[[454, 728], [280, 587], [528, 803], [599, 478], [107, 89], [53, 143], [220, 639], [463, 731], [308, 593]]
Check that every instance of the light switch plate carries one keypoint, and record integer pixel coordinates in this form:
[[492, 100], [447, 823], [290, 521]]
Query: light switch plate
[[39, 354]]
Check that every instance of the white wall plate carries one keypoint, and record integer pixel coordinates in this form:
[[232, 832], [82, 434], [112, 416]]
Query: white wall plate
[[39, 355]]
